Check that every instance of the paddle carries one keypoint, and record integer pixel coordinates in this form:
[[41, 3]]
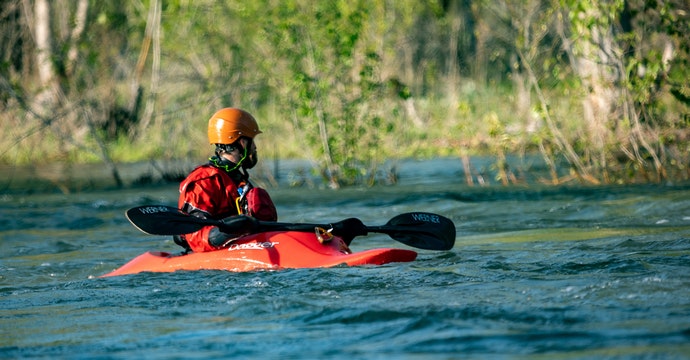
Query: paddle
[[417, 229]]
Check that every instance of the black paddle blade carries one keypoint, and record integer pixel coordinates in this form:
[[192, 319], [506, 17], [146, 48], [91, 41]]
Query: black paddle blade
[[165, 220], [421, 230]]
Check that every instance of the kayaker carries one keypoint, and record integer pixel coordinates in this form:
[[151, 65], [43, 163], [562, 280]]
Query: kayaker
[[221, 189]]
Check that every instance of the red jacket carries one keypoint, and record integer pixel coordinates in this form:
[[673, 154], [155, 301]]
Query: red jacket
[[210, 192]]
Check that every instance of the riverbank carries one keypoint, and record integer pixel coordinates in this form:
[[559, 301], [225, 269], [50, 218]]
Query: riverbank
[[270, 173], [69, 178]]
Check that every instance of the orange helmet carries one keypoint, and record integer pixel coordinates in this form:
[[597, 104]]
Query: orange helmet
[[227, 125]]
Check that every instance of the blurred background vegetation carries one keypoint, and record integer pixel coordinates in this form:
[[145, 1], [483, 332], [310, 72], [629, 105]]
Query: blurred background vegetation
[[599, 88]]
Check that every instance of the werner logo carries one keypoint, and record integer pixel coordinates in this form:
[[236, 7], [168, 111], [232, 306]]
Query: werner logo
[[153, 209], [253, 246], [428, 218]]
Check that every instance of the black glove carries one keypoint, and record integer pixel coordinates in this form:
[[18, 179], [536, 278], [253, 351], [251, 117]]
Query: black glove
[[240, 224], [348, 229], [232, 227]]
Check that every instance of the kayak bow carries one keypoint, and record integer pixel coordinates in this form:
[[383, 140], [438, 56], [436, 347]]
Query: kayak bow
[[267, 251]]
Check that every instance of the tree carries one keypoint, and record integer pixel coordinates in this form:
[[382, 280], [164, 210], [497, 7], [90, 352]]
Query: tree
[[57, 28]]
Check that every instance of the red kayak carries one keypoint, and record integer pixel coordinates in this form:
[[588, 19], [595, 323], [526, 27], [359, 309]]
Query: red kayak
[[267, 251]]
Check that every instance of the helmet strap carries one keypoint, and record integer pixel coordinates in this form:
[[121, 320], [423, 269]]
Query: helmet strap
[[230, 167], [236, 172]]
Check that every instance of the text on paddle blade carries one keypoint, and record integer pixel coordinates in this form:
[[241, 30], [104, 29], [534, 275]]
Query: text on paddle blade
[[427, 218], [153, 209]]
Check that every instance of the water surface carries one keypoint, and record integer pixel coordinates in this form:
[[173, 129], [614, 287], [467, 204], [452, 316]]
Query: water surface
[[573, 272]]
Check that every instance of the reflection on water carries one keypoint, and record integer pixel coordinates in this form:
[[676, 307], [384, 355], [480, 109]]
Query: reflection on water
[[560, 272]]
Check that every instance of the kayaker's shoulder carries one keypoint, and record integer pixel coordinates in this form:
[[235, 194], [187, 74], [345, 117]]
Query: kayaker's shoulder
[[201, 174], [204, 171]]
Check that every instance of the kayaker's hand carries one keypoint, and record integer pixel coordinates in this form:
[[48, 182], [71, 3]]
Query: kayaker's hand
[[349, 228], [231, 228], [239, 225]]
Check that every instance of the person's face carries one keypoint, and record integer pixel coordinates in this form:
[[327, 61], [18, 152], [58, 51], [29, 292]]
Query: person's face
[[236, 155]]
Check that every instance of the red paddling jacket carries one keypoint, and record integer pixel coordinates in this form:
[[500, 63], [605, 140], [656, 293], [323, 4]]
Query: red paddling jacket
[[212, 193]]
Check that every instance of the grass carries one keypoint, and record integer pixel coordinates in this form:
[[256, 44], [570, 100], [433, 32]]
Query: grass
[[482, 121]]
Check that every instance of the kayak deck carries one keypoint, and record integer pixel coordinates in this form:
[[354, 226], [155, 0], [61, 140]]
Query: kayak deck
[[266, 251]]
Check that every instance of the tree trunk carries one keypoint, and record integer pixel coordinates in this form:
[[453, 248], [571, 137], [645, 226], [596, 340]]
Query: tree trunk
[[46, 97], [153, 25], [75, 35], [42, 37], [593, 53]]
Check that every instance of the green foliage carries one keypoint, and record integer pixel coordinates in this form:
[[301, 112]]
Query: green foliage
[[335, 78], [351, 84]]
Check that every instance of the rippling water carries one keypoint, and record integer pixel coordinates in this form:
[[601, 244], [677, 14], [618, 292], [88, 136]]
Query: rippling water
[[536, 273]]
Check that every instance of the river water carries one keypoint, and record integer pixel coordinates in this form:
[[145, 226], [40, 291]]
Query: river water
[[536, 272]]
